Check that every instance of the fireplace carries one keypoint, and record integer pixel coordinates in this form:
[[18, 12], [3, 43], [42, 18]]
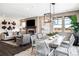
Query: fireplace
[[30, 26], [31, 31]]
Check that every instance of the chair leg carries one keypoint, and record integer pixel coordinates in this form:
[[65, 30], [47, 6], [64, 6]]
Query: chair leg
[[54, 52], [32, 50]]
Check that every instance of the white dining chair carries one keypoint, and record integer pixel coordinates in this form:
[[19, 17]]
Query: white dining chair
[[68, 43], [64, 50], [43, 49], [33, 41], [39, 35], [61, 51], [45, 36]]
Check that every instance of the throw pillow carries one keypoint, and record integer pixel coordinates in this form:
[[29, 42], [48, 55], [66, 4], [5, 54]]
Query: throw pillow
[[6, 33]]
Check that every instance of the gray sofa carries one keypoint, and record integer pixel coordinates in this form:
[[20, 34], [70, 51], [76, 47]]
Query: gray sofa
[[25, 39]]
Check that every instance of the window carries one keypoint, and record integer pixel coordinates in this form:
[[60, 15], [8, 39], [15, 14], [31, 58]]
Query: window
[[55, 22], [57, 25], [59, 21], [67, 24]]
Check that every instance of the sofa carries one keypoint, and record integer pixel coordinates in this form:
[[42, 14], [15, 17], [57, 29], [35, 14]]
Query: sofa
[[24, 39], [9, 35]]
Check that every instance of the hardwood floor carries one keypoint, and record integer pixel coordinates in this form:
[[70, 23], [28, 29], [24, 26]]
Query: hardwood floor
[[10, 50]]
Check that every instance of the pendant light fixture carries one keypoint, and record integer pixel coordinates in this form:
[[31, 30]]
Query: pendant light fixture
[[52, 17], [48, 17]]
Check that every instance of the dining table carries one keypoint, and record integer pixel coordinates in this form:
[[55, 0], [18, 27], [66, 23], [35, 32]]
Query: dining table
[[55, 40]]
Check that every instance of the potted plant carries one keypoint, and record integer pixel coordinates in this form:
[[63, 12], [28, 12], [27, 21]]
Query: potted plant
[[74, 24], [75, 28], [51, 34]]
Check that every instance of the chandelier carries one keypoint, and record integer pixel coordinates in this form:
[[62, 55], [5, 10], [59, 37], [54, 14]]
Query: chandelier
[[48, 17]]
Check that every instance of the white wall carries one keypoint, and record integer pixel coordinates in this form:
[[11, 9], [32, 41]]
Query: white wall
[[9, 19]]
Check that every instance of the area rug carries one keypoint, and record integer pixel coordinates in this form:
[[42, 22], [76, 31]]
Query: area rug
[[10, 50], [11, 42], [27, 52]]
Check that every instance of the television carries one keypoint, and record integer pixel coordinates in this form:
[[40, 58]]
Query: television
[[30, 23]]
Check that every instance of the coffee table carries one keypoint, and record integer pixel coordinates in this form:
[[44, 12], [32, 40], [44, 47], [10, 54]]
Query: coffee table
[[17, 36]]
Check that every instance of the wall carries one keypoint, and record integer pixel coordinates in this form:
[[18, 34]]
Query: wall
[[46, 27], [68, 14], [9, 19], [37, 24], [41, 27]]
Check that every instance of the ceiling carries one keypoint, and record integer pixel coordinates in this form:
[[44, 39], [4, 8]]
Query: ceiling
[[25, 10]]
